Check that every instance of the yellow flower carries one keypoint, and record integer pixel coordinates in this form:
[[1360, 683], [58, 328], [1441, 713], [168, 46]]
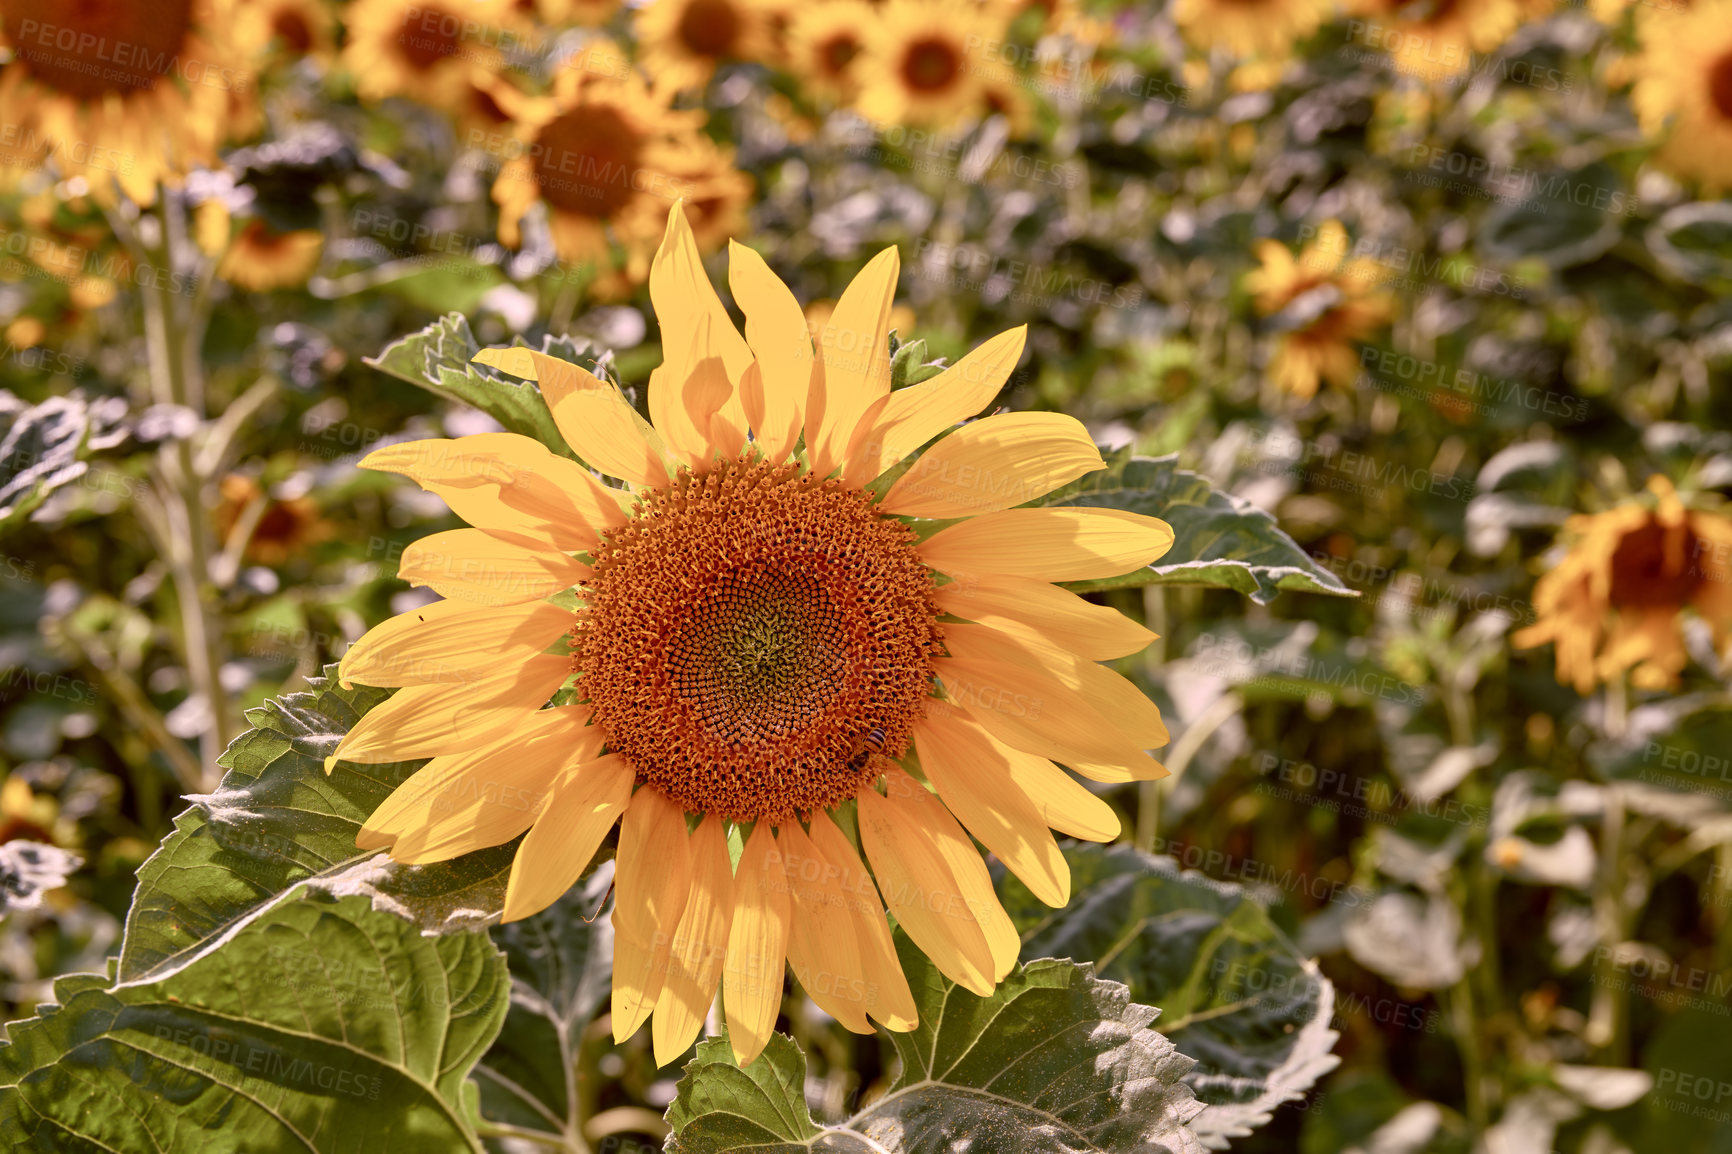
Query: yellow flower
[[1251, 27], [1350, 310], [279, 530], [604, 152], [260, 258], [28, 816], [1438, 41], [588, 13], [430, 52], [824, 44], [290, 29], [756, 646], [1614, 602], [1684, 83], [128, 92], [924, 62], [682, 41]]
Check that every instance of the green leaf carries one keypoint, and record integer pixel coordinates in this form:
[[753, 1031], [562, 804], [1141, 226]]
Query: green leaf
[[45, 446], [1218, 540], [562, 973], [1234, 992], [908, 364], [438, 359], [1672, 758], [321, 1025], [1693, 240], [1057, 1061], [276, 821]]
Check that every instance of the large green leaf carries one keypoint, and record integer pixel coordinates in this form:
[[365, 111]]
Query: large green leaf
[[1057, 1061], [1218, 540], [321, 1025], [278, 820], [1234, 992], [438, 359]]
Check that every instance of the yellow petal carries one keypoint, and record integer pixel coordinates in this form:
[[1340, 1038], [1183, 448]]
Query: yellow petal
[[822, 946], [1057, 544], [452, 641], [469, 565], [918, 413], [694, 324], [593, 416], [1064, 804], [757, 945], [700, 944], [854, 348], [449, 717], [1093, 631], [966, 867], [652, 880], [510, 486], [1111, 695], [995, 463], [588, 797], [888, 998], [920, 890], [973, 778], [483, 797], [776, 331]]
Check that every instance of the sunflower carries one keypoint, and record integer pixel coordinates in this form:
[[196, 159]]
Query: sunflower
[[921, 63], [824, 44], [604, 152], [430, 52], [260, 258], [124, 91], [1344, 308], [749, 648], [1614, 602], [282, 528], [588, 13], [1437, 40], [1268, 28], [289, 29], [1684, 81], [682, 41], [26, 815]]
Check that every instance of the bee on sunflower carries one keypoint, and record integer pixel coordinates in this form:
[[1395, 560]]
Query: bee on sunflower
[[1615, 603], [1338, 302], [796, 675], [1683, 90], [127, 93]]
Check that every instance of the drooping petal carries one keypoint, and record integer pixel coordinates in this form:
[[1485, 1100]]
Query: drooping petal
[[593, 416], [888, 998], [587, 799], [470, 565], [449, 717], [451, 641], [995, 463], [652, 880], [700, 944], [1092, 631], [1056, 544], [854, 348], [776, 331], [757, 945], [920, 890], [914, 415], [823, 948], [974, 780]]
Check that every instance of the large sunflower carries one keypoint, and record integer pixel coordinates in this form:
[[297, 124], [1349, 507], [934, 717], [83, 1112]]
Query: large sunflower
[[1684, 82], [123, 91], [1614, 602], [927, 61], [682, 41], [1251, 27], [1340, 309], [760, 655]]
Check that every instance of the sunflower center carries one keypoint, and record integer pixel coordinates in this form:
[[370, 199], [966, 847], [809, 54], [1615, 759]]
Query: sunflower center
[[1720, 85], [585, 161], [1647, 573], [291, 28], [710, 27], [931, 65], [752, 636], [835, 53], [89, 48], [429, 36]]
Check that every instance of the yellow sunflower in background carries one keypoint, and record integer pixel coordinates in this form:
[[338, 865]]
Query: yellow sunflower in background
[[1250, 27], [429, 52], [1349, 308], [1615, 601], [753, 640], [601, 152], [128, 92], [288, 29], [260, 258], [1684, 91], [1438, 41], [278, 528], [924, 62], [824, 45], [682, 41], [588, 13]]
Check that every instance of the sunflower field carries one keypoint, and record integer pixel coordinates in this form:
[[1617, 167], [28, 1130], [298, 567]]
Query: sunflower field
[[875, 576]]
